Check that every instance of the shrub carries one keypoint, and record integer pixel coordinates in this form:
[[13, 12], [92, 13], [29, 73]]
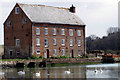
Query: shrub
[[42, 57], [63, 57], [28, 58], [34, 57]]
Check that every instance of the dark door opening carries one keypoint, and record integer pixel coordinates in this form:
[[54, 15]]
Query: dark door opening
[[47, 53], [72, 55], [11, 53]]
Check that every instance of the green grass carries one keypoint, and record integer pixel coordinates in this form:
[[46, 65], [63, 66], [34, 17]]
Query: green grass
[[67, 64]]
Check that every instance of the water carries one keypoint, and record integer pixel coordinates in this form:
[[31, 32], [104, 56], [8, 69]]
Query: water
[[77, 71]]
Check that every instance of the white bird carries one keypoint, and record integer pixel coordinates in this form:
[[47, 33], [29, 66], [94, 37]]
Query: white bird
[[2, 73], [96, 71], [21, 73], [38, 74], [68, 72], [101, 71]]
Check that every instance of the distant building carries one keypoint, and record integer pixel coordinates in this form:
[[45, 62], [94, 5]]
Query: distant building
[[43, 30]]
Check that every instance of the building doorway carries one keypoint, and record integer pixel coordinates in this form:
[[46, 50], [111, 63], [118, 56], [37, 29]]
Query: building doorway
[[46, 54], [72, 54], [11, 53]]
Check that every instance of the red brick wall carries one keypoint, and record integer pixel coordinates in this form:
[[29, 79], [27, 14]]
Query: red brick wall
[[17, 30], [58, 36]]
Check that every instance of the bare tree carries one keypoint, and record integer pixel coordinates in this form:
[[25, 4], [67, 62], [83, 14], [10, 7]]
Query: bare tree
[[112, 30]]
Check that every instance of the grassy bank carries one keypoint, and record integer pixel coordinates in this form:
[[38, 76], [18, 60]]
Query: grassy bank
[[67, 64], [12, 59]]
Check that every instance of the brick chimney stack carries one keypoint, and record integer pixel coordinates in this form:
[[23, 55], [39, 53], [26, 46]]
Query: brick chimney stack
[[72, 9]]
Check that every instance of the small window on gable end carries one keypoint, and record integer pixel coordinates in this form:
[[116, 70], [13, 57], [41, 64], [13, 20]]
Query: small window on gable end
[[17, 10], [24, 21], [9, 23]]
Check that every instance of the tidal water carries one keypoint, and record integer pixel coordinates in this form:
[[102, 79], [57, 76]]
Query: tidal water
[[71, 71]]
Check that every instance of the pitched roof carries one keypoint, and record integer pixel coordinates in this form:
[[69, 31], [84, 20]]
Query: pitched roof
[[48, 14]]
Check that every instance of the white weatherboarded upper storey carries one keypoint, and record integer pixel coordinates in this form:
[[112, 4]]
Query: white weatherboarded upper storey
[[48, 14]]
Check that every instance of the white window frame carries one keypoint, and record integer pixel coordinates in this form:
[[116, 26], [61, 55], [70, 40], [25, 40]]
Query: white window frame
[[46, 31], [71, 42], [17, 43], [62, 31], [55, 52], [37, 52], [63, 52], [71, 32], [37, 31], [54, 41], [46, 43], [79, 52], [63, 42], [79, 32], [17, 10], [54, 31], [79, 42], [37, 42]]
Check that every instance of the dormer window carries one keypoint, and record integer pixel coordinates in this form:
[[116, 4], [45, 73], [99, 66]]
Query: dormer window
[[17, 10]]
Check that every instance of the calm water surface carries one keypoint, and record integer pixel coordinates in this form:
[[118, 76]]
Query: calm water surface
[[76, 71]]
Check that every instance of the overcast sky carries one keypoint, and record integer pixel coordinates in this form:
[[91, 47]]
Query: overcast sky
[[98, 15]]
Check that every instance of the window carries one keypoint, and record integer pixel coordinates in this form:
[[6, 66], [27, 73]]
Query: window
[[38, 51], [63, 42], [17, 42], [79, 33], [46, 42], [17, 10], [54, 31], [79, 52], [8, 23], [63, 52], [54, 42], [62, 31], [37, 42], [17, 53], [46, 31], [24, 21], [37, 31], [71, 32], [71, 42], [55, 51], [79, 42]]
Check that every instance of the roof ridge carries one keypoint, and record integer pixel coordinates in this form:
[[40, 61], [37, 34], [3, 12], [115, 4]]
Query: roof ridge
[[42, 5]]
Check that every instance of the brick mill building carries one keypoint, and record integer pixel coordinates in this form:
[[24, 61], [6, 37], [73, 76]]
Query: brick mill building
[[32, 29]]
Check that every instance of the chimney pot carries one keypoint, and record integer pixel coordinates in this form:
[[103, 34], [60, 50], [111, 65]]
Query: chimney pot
[[72, 9]]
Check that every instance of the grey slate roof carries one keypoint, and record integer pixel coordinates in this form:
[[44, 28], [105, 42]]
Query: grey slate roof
[[48, 14]]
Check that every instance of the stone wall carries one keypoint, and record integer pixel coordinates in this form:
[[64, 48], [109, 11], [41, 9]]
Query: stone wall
[[1, 51], [48, 61]]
